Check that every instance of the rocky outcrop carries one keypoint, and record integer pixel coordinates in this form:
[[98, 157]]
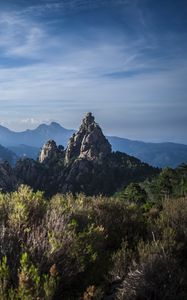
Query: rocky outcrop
[[115, 172], [88, 143], [31, 172], [92, 168], [50, 152], [45, 176]]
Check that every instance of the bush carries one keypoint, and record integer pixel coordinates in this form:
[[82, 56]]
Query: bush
[[134, 193], [30, 286], [77, 247]]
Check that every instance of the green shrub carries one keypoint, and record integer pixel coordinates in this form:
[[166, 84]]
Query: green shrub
[[4, 278], [77, 247], [134, 193]]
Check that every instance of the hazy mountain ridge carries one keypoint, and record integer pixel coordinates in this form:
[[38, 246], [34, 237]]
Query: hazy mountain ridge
[[25, 151], [35, 137], [28, 143], [7, 155], [156, 154]]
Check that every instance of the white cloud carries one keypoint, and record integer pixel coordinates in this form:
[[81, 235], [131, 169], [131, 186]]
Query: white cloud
[[31, 121], [21, 37], [31, 46]]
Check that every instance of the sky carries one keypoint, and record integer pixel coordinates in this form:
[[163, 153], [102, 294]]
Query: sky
[[123, 60]]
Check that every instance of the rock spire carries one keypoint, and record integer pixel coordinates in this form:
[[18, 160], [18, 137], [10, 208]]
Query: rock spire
[[89, 142], [49, 151]]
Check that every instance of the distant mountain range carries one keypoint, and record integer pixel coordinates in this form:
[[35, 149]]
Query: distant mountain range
[[156, 154], [36, 137], [8, 155], [29, 142]]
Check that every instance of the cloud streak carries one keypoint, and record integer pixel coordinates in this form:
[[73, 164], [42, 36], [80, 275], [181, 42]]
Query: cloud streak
[[71, 6], [134, 84]]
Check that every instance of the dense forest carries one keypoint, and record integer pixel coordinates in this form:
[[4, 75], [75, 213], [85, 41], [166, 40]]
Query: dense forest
[[129, 246]]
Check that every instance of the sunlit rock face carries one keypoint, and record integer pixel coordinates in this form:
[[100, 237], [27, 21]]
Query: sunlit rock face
[[48, 152], [88, 143]]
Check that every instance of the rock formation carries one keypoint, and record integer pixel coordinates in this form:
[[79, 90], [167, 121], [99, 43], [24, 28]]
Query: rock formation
[[92, 168], [87, 165], [50, 151], [88, 143]]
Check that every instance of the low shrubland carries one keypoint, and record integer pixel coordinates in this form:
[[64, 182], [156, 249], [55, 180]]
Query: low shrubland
[[129, 246]]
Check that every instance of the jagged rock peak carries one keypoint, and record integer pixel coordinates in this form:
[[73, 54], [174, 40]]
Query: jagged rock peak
[[49, 150], [88, 119], [89, 142]]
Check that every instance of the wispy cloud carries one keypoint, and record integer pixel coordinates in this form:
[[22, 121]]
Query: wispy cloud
[[20, 37], [70, 6], [128, 78]]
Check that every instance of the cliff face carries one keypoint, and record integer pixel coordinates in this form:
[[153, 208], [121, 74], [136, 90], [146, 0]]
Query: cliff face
[[87, 165]]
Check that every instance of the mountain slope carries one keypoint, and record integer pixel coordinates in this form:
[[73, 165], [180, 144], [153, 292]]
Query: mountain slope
[[156, 154], [25, 151], [7, 155]]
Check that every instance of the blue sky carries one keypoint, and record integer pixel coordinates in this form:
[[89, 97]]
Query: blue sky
[[124, 60]]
